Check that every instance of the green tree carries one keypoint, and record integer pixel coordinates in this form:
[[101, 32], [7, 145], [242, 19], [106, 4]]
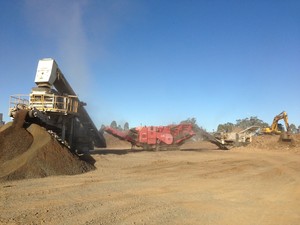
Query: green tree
[[101, 130], [191, 120], [293, 128], [114, 124], [252, 121], [126, 126], [242, 124], [227, 127]]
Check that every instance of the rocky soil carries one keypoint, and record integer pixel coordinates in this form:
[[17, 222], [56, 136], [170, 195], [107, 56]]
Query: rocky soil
[[33, 152], [257, 184]]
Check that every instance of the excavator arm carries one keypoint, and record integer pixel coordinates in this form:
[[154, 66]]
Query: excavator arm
[[274, 129]]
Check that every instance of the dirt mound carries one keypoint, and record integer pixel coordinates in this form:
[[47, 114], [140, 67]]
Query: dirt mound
[[113, 142], [33, 152], [199, 145], [271, 142]]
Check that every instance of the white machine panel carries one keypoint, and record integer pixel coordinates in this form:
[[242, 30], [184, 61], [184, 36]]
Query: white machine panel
[[46, 72]]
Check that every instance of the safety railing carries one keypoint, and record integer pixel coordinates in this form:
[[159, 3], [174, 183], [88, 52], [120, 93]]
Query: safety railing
[[45, 102], [19, 100], [54, 103]]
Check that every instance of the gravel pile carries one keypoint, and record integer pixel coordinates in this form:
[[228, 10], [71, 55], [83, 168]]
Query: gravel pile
[[33, 152]]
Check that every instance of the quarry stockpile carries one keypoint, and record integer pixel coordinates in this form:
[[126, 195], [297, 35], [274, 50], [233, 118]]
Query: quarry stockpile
[[272, 142], [113, 142], [33, 152]]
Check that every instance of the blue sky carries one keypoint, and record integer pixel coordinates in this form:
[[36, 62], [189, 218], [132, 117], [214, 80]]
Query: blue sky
[[159, 62]]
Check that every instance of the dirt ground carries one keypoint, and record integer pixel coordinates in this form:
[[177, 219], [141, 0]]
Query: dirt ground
[[197, 185]]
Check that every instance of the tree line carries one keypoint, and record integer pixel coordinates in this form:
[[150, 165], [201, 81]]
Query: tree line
[[247, 122], [226, 127], [114, 125]]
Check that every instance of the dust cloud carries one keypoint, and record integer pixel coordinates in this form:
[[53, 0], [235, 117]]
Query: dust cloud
[[60, 25]]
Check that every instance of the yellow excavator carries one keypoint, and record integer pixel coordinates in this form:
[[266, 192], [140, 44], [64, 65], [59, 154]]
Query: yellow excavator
[[278, 129]]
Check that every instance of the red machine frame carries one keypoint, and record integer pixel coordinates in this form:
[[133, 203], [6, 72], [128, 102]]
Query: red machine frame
[[155, 137]]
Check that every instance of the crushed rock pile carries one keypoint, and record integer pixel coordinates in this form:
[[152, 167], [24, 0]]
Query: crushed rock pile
[[113, 142], [271, 142], [33, 152]]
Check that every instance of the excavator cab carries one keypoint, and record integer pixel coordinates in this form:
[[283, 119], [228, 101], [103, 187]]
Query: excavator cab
[[280, 127]]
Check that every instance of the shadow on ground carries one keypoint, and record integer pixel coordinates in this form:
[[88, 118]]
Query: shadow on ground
[[121, 151], [117, 151]]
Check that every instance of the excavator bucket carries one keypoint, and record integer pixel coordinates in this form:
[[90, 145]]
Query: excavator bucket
[[286, 137]]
